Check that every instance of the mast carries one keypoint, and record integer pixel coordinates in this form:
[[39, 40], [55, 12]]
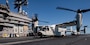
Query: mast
[[19, 3]]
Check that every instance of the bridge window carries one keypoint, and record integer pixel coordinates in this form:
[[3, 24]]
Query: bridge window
[[1, 28]]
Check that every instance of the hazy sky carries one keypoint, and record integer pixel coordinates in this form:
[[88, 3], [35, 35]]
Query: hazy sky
[[46, 10]]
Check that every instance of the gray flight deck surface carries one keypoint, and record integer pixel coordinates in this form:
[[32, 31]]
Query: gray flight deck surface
[[68, 40]]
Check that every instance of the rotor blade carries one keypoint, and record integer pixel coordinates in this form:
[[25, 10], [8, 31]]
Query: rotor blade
[[65, 9], [43, 21], [36, 16], [86, 10]]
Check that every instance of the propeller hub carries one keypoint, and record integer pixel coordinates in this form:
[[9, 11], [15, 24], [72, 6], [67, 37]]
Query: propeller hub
[[79, 11]]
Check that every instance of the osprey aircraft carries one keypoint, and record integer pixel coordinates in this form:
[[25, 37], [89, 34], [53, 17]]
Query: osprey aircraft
[[78, 16]]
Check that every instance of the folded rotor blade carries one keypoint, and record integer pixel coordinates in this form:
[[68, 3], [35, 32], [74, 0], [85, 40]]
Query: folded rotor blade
[[65, 9], [86, 10], [43, 21], [35, 18]]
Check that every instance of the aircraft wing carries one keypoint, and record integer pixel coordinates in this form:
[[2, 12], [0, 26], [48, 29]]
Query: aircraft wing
[[66, 24]]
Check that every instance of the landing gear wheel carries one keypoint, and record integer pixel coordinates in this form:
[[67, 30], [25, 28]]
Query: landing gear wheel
[[40, 34], [62, 36]]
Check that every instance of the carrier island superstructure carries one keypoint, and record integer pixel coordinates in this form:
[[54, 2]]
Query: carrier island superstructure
[[13, 24]]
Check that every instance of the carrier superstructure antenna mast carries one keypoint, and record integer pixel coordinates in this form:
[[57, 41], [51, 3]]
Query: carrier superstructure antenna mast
[[19, 3], [7, 4]]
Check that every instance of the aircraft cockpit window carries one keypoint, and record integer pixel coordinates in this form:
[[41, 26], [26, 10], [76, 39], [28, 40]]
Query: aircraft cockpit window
[[44, 29], [47, 28]]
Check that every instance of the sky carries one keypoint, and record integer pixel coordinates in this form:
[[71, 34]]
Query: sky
[[46, 10]]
